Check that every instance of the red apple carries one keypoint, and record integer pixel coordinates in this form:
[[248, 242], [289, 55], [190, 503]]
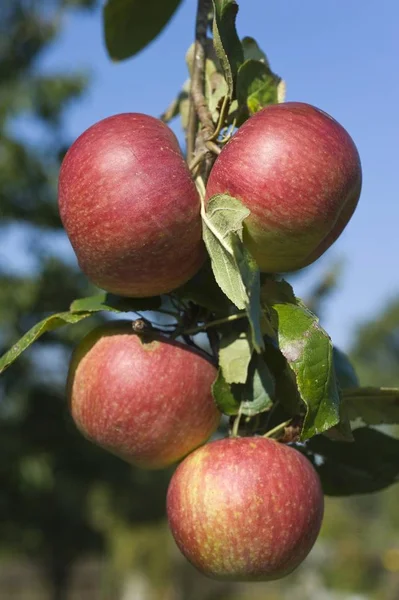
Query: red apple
[[144, 398], [245, 509], [298, 171], [130, 207]]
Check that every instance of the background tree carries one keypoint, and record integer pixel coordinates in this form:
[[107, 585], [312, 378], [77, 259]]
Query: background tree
[[47, 469]]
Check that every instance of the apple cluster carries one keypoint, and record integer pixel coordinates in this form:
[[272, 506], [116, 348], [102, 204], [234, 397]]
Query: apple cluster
[[241, 508]]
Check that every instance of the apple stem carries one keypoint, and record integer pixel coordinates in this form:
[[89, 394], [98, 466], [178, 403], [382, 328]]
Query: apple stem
[[228, 134], [277, 429], [213, 147], [142, 324], [199, 182], [222, 117], [236, 425]]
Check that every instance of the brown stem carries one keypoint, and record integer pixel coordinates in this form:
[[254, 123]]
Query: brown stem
[[213, 147], [277, 429], [191, 132], [198, 78], [198, 158], [214, 323], [199, 110]]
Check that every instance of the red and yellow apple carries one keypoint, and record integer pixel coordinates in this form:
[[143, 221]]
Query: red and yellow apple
[[130, 207], [245, 509], [145, 398], [298, 171]]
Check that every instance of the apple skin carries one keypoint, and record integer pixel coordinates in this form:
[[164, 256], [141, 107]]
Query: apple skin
[[245, 509], [130, 207], [144, 398], [299, 173]]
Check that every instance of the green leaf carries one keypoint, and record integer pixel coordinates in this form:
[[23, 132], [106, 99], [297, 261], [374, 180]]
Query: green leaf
[[346, 378], [251, 50], [129, 25], [368, 464], [298, 332], [287, 393], [235, 355], [203, 290], [259, 389], [49, 324], [178, 106], [223, 222], [275, 291], [112, 303], [251, 278], [257, 86], [375, 406], [235, 270], [345, 372], [224, 398], [249, 399], [218, 91], [226, 41], [309, 352]]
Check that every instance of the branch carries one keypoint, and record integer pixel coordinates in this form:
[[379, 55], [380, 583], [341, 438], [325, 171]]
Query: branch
[[205, 326], [198, 106]]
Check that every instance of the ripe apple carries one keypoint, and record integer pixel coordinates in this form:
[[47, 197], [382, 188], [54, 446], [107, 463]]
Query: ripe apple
[[298, 171], [245, 509], [142, 397], [130, 207]]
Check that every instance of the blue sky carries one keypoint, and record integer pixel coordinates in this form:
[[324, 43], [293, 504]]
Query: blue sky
[[339, 56]]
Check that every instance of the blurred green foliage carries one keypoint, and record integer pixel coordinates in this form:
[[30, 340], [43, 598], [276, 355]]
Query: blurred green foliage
[[49, 474]]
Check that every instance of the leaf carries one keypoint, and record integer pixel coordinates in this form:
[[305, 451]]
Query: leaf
[[251, 278], [344, 370], [218, 91], [225, 400], [257, 393], [252, 51], [257, 86], [129, 25], [48, 324], [368, 464], [375, 406], [202, 289], [275, 291], [235, 355], [277, 296], [112, 303], [249, 399], [235, 270], [346, 377], [177, 106], [285, 382], [226, 41], [309, 352], [223, 220]]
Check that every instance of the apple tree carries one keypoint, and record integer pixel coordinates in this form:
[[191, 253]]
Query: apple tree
[[195, 249]]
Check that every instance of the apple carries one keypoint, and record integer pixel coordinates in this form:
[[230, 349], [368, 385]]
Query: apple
[[130, 207], [245, 509], [298, 171], [145, 398]]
